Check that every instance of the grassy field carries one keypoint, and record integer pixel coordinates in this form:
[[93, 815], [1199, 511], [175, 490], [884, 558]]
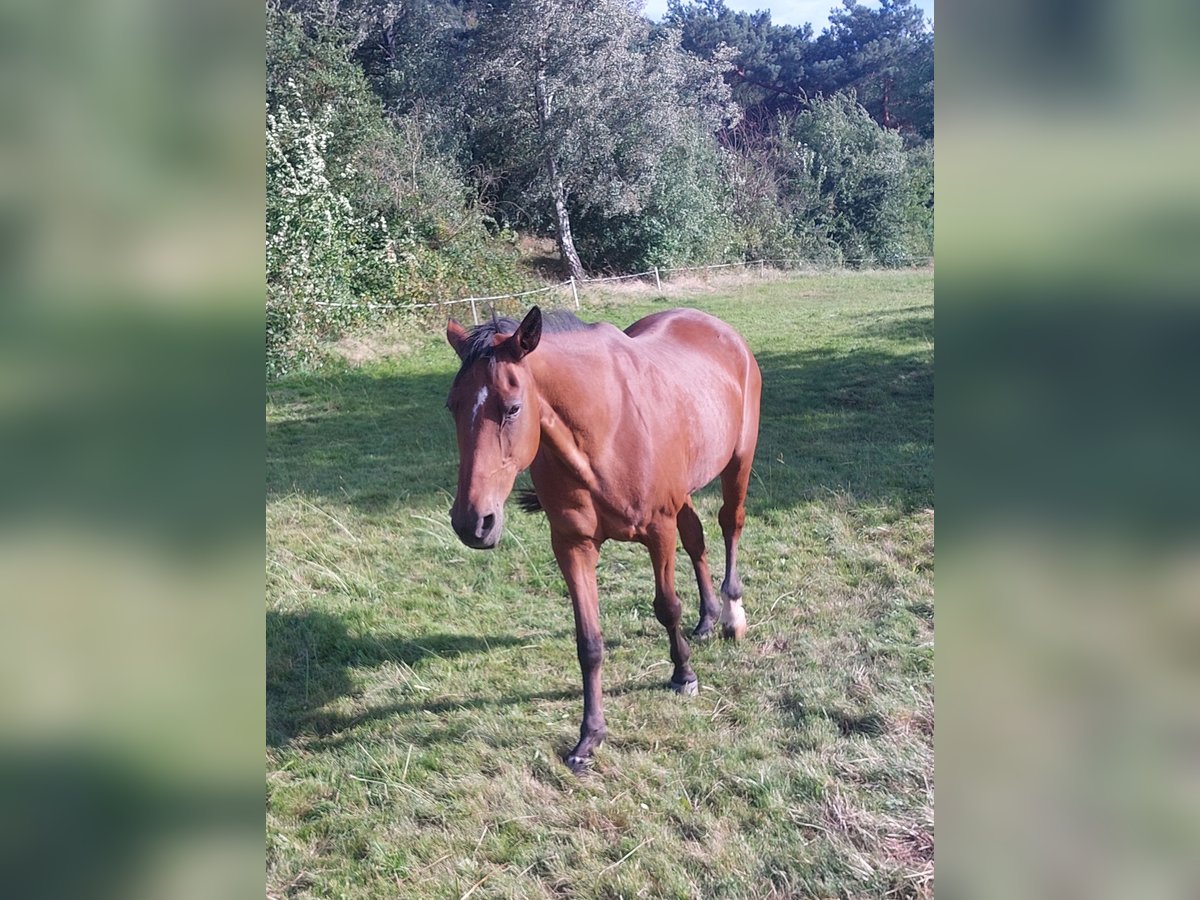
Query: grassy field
[[420, 695]]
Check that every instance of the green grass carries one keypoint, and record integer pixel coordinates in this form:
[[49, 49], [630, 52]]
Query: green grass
[[420, 695]]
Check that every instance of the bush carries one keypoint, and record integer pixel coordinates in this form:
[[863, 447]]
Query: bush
[[684, 220], [758, 215], [830, 186], [919, 199], [849, 184], [320, 256]]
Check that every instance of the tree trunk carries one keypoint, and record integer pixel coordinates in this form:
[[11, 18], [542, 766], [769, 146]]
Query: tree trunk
[[562, 220], [562, 228]]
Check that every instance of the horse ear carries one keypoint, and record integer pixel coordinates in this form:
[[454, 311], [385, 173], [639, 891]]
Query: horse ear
[[528, 333], [457, 336]]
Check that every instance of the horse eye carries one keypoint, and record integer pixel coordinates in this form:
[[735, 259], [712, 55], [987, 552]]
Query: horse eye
[[511, 411]]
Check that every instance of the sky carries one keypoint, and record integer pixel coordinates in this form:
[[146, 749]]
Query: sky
[[786, 12]]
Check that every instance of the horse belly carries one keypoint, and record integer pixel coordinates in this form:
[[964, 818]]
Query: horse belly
[[708, 464]]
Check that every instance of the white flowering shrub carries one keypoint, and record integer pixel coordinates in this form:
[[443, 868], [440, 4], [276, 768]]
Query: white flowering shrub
[[368, 214], [321, 258]]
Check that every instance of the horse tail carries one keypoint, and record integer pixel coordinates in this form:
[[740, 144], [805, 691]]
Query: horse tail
[[528, 501]]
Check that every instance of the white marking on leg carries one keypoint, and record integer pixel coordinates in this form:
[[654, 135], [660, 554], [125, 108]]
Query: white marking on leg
[[479, 399], [733, 617]]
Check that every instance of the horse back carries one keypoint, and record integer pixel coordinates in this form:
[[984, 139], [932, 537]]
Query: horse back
[[683, 333]]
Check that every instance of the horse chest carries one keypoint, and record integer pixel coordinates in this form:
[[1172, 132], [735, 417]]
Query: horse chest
[[622, 527], [598, 516]]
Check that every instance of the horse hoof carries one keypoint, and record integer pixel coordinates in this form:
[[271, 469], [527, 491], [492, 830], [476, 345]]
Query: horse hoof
[[734, 632], [686, 688], [703, 631], [579, 764]]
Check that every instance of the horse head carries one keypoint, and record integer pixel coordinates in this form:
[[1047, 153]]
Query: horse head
[[496, 409]]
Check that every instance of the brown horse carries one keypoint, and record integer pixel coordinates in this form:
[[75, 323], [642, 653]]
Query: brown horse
[[618, 429]]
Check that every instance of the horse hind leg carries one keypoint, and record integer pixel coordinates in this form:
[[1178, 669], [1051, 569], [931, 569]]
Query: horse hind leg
[[691, 534], [667, 608], [735, 481]]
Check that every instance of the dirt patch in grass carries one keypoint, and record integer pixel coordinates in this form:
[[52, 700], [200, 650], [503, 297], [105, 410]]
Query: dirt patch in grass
[[364, 347]]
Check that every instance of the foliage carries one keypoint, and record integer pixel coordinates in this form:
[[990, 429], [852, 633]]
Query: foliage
[[320, 254], [402, 47], [408, 140], [364, 213], [840, 172], [682, 221], [768, 60], [585, 104], [918, 198], [759, 209], [818, 168], [832, 186], [852, 182], [884, 54]]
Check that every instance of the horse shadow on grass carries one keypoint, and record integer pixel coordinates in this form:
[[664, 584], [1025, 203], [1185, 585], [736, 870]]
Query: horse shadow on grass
[[407, 725], [312, 656], [311, 661]]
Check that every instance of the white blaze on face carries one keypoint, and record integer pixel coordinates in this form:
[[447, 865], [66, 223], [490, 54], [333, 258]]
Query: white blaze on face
[[479, 399]]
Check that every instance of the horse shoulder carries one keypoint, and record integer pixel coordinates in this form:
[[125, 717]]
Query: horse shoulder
[[567, 502]]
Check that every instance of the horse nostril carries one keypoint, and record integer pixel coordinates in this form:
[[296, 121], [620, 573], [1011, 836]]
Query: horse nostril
[[485, 525]]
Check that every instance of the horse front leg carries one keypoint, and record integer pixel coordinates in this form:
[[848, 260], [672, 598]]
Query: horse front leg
[[577, 559]]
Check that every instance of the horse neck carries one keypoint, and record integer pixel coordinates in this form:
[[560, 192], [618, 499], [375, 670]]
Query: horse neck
[[567, 386]]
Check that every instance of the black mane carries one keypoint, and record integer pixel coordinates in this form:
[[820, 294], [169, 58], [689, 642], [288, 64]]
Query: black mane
[[481, 346]]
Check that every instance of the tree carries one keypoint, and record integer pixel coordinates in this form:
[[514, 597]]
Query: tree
[[886, 56], [363, 209], [769, 62], [583, 102], [684, 220]]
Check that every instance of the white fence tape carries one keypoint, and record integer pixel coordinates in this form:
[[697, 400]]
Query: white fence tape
[[619, 277], [856, 259], [716, 266], [573, 285], [521, 294]]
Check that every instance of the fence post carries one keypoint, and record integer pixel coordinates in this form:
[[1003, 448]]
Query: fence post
[[762, 270], [657, 282], [474, 311], [574, 293]]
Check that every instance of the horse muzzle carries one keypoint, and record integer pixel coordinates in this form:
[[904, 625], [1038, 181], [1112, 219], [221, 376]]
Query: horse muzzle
[[479, 532]]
